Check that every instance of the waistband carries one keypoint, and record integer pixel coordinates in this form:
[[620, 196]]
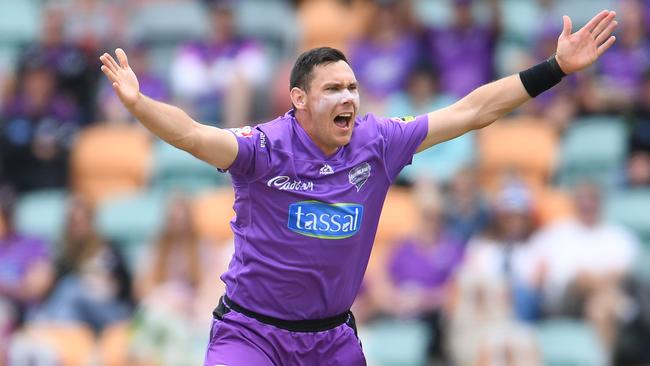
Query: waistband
[[315, 325]]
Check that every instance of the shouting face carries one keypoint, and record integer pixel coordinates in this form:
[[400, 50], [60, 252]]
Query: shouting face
[[327, 109]]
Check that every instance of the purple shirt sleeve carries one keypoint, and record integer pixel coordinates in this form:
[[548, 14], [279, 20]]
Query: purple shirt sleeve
[[252, 159], [402, 137]]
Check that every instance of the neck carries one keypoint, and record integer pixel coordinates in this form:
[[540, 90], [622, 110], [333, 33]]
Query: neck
[[307, 124]]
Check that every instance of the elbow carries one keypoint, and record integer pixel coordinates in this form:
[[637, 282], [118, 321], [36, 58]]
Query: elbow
[[472, 114], [186, 140]]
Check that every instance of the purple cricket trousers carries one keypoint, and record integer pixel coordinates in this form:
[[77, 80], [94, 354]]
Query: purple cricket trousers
[[239, 340]]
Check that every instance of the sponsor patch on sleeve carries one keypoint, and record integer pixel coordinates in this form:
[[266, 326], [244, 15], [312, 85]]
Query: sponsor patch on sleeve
[[245, 131], [406, 119]]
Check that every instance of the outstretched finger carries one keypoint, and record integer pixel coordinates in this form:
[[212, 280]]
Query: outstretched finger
[[121, 56], [604, 35], [109, 62], [603, 24], [567, 26], [591, 25], [605, 46], [109, 73]]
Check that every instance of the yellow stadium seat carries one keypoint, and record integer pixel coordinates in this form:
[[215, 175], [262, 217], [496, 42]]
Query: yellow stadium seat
[[110, 158], [114, 344], [213, 212], [552, 205], [525, 146], [73, 344]]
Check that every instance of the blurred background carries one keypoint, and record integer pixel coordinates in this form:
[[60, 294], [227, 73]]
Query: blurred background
[[526, 243]]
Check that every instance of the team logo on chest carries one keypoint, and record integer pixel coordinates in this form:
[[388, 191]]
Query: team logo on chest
[[359, 175], [326, 170]]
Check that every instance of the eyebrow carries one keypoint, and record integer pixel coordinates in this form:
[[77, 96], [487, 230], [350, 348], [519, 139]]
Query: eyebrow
[[338, 85]]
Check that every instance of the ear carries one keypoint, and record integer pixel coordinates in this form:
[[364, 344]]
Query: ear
[[298, 98]]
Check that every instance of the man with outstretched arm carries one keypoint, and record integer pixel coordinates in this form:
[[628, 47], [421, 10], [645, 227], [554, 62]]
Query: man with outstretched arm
[[309, 188]]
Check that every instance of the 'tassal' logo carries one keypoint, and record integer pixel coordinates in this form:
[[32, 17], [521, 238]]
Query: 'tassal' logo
[[284, 183]]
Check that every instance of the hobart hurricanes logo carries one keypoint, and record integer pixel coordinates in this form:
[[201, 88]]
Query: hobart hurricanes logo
[[359, 175], [325, 221]]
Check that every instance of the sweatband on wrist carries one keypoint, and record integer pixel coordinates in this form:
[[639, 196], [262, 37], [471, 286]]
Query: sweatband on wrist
[[542, 76]]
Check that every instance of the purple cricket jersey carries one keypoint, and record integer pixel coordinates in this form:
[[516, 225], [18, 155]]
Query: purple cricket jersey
[[305, 223], [17, 254]]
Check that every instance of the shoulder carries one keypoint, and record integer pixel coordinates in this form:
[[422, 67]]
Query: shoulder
[[276, 134]]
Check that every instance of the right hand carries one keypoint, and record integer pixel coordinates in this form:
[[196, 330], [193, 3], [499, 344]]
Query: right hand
[[125, 83]]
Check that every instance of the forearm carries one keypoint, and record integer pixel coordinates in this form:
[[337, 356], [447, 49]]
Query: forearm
[[494, 100], [168, 122]]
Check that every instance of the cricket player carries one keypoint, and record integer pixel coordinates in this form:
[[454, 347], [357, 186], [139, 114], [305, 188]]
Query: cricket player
[[309, 188]]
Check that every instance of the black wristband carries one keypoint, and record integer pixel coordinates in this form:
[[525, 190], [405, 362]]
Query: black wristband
[[542, 76]]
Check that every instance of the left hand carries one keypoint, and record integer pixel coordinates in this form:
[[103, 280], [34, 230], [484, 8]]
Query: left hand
[[581, 49]]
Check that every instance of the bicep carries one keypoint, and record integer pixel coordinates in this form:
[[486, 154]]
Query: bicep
[[447, 123], [217, 147]]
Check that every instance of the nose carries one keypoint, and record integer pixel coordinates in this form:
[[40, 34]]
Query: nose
[[346, 96]]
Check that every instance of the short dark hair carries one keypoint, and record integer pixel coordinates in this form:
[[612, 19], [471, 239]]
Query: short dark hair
[[301, 73]]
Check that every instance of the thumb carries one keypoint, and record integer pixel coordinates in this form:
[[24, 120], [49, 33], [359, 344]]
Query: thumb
[[566, 30]]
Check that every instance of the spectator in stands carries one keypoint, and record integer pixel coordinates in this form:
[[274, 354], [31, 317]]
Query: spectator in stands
[[463, 52], [620, 72], [466, 212], [218, 76], [503, 251], [386, 53], [586, 260], [93, 287], [37, 128], [26, 272], [421, 266], [171, 288], [75, 73], [638, 164], [93, 23], [496, 288]]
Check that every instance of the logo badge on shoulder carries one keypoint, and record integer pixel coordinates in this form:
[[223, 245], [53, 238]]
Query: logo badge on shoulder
[[326, 170], [359, 175], [245, 131]]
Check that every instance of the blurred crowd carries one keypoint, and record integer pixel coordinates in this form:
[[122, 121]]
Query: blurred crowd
[[523, 244]]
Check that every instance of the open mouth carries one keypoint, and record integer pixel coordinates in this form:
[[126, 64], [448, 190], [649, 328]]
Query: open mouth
[[343, 120]]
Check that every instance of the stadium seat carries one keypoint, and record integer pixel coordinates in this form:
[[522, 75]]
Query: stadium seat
[[42, 214], [212, 214], [593, 148], [109, 159], [518, 16], [19, 21], [552, 205], [114, 344], [168, 21], [132, 221], [433, 13], [631, 208], [526, 146], [570, 342], [441, 162], [581, 11], [280, 35], [73, 344], [175, 169], [399, 216], [395, 342]]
